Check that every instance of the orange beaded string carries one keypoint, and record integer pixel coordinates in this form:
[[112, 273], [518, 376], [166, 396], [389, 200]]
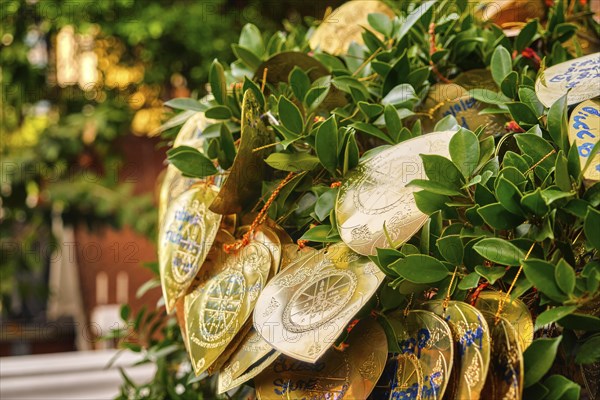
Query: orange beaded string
[[260, 218]]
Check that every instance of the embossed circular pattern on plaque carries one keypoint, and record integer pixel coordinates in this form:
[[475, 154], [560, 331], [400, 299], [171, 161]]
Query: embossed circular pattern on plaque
[[317, 302], [376, 194], [223, 303]]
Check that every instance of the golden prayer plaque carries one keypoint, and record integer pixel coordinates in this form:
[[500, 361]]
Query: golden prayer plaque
[[584, 130], [219, 306], [268, 238], [466, 111], [408, 381], [304, 308], [375, 194], [476, 79], [192, 129], [346, 24], [514, 311], [281, 64], [577, 78], [428, 337], [505, 376], [254, 353], [246, 175], [185, 238], [350, 374], [472, 341]]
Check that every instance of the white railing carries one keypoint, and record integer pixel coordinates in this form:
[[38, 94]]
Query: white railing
[[68, 376]]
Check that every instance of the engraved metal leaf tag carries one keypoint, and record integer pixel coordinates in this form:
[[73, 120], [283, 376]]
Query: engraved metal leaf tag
[[466, 111], [476, 79], [578, 77], [242, 186], [348, 374], [472, 339], [505, 376], [346, 25], [219, 306], [429, 338], [514, 311], [185, 237], [375, 193], [305, 307], [254, 353], [584, 130]]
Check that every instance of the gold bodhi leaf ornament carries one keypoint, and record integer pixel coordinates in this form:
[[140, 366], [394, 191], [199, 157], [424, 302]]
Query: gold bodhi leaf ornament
[[375, 197], [185, 237]]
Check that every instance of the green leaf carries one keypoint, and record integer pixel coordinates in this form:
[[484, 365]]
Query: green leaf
[[185, 103], [390, 334], [558, 124], [589, 352], [451, 248], [541, 275], [561, 388], [125, 312], [509, 85], [509, 195], [350, 153], [538, 359], [564, 275], [325, 203], [294, 162], [591, 227], [227, 147], [537, 148], [428, 202], [191, 162], [526, 35], [434, 187], [403, 94], [523, 114], [527, 95], [300, 82], [319, 233], [371, 110], [251, 39], [561, 172], [492, 274], [247, 57], [501, 64], [442, 170], [581, 322], [464, 151], [218, 84], [420, 268], [392, 121], [413, 18], [553, 315], [371, 130], [251, 85], [290, 115], [326, 144], [381, 23], [498, 217], [500, 251], [469, 282], [535, 203], [218, 112]]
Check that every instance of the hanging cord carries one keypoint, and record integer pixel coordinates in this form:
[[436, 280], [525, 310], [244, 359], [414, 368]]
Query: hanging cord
[[503, 299], [432, 49], [447, 298], [260, 218]]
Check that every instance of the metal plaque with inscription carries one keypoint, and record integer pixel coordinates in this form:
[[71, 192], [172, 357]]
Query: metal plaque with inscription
[[584, 132], [376, 194], [472, 342], [305, 307]]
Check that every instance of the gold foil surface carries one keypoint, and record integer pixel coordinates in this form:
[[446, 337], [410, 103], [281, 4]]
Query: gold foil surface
[[346, 24], [579, 77], [218, 307], [376, 194], [185, 237], [428, 337], [243, 184], [466, 111], [514, 311], [472, 341], [305, 307], [348, 374], [505, 376], [476, 79], [584, 131]]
